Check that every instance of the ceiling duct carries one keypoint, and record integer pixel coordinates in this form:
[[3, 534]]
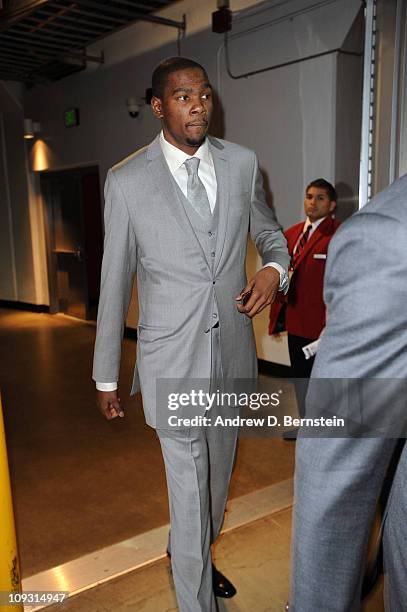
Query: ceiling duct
[[46, 40]]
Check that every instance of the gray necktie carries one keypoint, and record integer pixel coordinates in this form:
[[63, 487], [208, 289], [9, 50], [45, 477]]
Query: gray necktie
[[196, 192]]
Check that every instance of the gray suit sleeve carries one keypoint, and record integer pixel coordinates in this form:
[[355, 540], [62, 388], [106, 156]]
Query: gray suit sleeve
[[264, 228], [363, 296], [118, 270]]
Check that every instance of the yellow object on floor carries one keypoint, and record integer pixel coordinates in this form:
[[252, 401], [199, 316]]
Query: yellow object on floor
[[9, 566]]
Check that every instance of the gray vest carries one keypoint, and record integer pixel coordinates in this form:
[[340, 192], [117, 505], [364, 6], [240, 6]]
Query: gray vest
[[206, 233]]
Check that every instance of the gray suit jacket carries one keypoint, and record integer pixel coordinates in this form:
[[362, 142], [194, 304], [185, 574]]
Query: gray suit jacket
[[149, 234], [338, 481]]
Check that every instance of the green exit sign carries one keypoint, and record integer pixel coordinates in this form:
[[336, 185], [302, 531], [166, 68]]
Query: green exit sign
[[71, 117]]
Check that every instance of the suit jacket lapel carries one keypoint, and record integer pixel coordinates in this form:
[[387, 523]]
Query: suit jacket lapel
[[165, 183], [221, 163], [317, 235], [292, 238]]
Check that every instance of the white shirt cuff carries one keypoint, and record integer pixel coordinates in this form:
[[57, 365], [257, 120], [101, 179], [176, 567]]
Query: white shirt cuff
[[110, 386], [284, 280]]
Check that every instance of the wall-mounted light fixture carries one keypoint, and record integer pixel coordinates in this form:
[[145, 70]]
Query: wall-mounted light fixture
[[31, 128]]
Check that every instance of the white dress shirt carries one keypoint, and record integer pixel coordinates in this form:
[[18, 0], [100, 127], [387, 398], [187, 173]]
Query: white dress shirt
[[175, 159]]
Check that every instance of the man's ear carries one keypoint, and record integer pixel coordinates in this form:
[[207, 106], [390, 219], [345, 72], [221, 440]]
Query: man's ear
[[332, 206], [156, 105]]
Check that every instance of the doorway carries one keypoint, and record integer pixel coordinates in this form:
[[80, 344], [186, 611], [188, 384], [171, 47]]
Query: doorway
[[74, 240]]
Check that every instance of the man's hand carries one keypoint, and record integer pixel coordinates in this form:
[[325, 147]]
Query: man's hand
[[264, 287], [108, 403]]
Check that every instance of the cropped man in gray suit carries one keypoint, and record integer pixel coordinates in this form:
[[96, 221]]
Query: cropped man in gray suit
[[177, 215], [338, 480]]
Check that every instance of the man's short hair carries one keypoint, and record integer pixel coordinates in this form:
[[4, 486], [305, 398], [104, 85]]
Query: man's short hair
[[167, 67], [323, 184]]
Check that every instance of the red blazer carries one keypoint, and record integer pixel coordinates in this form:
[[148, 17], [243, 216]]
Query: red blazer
[[305, 308]]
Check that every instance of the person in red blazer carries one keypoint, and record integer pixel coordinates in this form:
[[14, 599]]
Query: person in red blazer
[[302, 310]]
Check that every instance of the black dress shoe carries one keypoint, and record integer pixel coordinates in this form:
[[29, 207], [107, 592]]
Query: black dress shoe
[[222, 587], [291, 435]]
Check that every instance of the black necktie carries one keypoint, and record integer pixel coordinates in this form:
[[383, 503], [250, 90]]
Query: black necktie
[[301, 244]]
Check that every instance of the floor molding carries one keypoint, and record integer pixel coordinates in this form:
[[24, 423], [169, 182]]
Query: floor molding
[[113, 561], [277, 370], [15, 305]]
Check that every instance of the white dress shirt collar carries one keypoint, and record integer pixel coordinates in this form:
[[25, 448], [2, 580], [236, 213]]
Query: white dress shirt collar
[[175, 157], [314, 224]]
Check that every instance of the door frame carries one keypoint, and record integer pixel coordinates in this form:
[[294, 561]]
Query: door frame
[[47, 198]]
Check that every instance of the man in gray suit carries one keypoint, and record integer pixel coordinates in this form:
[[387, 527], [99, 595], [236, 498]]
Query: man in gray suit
[[177, 214], [338, 480]]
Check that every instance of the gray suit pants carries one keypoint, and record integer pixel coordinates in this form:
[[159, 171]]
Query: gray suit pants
[[198, 464], [394, 541], [331, 539]]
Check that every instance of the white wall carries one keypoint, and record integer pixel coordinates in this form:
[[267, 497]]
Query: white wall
[[8, 281], [17, 268], [23, 274], [287, 115]]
